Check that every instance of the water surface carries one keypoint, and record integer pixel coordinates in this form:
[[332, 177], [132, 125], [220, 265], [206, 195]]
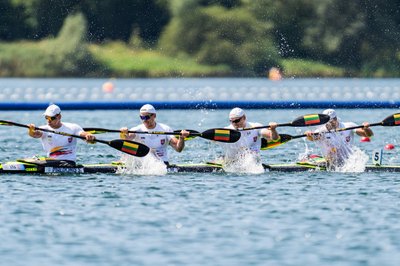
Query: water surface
[[311, 218]]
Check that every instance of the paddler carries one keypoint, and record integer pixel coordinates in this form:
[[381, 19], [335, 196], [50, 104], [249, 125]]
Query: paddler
[[250, 140], [157, 143], [337, 146], [59, 147]]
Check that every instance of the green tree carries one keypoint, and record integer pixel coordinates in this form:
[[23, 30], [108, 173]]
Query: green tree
[[117, 19], [358, 34], [217, 35], [107, 19], [45, 17], [11, 21], [68, 54], [288, 21]]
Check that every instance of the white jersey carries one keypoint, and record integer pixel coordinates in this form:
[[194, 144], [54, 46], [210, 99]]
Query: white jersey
[[58, 146], [336, 146], [157, 143], [250, 141]]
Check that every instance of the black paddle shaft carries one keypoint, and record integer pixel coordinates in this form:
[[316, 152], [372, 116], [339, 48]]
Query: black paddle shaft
[[126, 146]]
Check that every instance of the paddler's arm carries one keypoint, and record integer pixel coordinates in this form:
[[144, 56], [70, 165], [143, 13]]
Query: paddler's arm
[[271, 133], [125, 135], [179, 143], [90, 138], [366, 131], [34, 133], [311, 136]]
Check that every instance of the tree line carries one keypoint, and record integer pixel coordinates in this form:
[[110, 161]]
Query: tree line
[[248, 36]]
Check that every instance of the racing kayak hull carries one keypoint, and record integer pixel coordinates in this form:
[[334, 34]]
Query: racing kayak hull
[[31, 168]]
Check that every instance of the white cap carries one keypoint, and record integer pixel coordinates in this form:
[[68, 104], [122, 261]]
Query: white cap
[[148, 108], [330, 112], [236, 113], [52, 110]]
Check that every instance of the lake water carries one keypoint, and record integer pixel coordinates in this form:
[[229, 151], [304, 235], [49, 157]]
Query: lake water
[[311, 218]]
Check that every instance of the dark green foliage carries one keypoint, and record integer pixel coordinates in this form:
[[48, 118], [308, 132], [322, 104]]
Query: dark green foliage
[[66, 55], [249, 36], [11, 21], [107, 19], [68, 52], [215, 35]]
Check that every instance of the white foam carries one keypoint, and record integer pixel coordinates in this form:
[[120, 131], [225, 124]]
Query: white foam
[[246, 163], [148, 165], [355, 163]]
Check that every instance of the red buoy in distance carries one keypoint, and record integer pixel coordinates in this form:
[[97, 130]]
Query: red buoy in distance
[[389, 146]]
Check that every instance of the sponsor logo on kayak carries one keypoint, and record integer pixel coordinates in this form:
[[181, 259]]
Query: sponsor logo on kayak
[[13, 167], [62, 170]]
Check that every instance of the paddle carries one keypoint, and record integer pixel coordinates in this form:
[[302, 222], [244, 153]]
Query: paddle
[[391, 120], [217, 134], [301, 121], [96, 130], [266, 145], [126, 146]]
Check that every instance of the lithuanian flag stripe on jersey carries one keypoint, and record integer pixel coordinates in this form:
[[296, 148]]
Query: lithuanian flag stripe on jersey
[[130, 148], [221, 134], [311, 119]]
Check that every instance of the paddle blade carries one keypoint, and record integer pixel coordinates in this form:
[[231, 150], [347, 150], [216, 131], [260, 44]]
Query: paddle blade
[[265, 145], [392, 120], [221, 135], [130, 147], [310, 120], [194, 132], [94, 130], [6, 123]]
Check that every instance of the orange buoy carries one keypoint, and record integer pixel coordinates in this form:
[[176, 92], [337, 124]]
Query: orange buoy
[[365, 139], [389, 146], [108, 87], [274, 74]]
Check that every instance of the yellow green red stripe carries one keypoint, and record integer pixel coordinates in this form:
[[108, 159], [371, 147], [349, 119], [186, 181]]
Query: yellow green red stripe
[[273, 144], [130, 148], [221, 134], [396, 119], [311, 119]]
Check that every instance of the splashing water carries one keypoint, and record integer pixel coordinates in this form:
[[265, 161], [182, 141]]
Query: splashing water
[[148, 165], [351, 160], [246, 162], [355, 163], [306, 153]]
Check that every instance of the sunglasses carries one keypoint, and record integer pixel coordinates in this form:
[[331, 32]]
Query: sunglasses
[[51, 118], [146, 117], [236, 120]]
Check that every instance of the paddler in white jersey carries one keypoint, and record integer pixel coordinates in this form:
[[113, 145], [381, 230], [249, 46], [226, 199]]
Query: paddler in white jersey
[[157, 143], [250, 140], [59, 147], [337, 146]]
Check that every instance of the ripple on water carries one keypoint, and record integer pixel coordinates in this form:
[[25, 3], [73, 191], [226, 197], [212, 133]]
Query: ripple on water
[[309, 218]]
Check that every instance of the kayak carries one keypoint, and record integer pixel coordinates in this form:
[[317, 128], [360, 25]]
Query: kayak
[[42, 166], [34, 166], [297, 167]]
